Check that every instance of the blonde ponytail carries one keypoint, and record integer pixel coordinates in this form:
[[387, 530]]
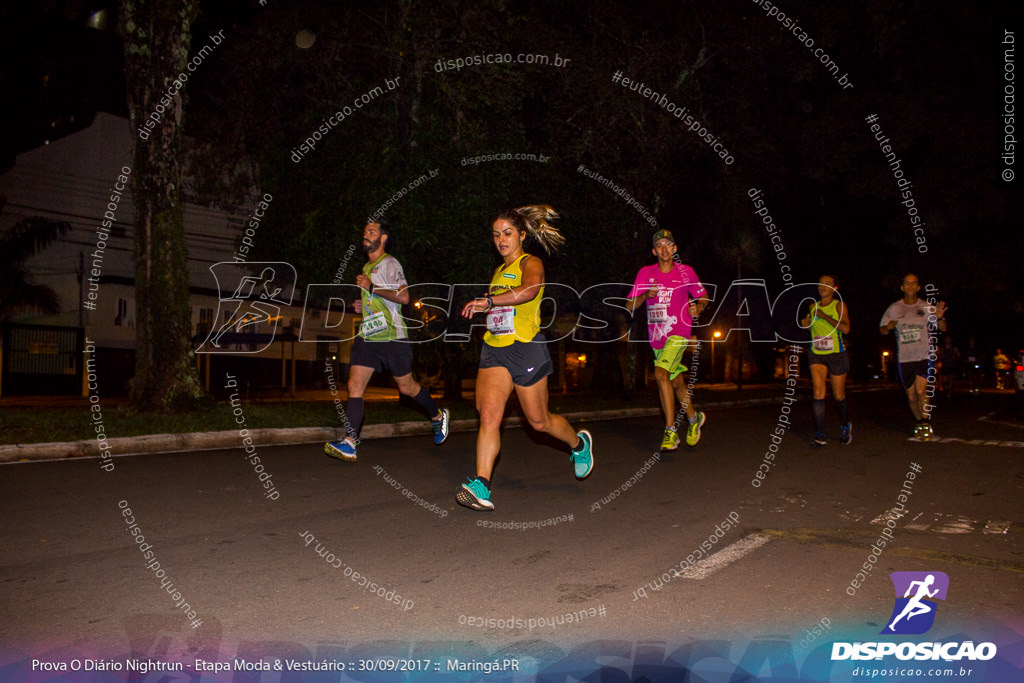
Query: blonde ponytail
[[535, 220]]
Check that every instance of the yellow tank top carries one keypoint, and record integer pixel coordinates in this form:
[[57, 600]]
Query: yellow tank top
[[826, 339], [508, 324]]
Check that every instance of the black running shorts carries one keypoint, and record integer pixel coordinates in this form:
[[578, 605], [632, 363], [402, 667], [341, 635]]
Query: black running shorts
[[837, 363], [527, 362], [910, 371], [394, 356]]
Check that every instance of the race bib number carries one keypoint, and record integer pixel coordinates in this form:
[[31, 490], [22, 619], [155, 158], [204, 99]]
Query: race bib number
[[501, 320], [909, 335], [373, 325], [824, 344], [657, 314]]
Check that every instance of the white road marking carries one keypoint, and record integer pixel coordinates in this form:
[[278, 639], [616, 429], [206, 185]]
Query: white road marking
[[724, 557], [1006, 423], [971, 442], [959, 525], [886, 516], [918, 525], [997, 526], [940, 523]]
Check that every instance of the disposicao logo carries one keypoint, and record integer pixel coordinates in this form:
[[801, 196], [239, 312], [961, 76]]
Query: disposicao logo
[[914, 614], [916, 592]]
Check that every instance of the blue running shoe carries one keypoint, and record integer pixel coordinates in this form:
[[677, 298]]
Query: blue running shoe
[[342, 450], [441, 427], [473, 494], [583, 455], [819, 440], [846, 434]]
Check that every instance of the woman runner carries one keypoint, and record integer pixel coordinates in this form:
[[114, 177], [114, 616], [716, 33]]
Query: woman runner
[[829, 320], [515, 355]]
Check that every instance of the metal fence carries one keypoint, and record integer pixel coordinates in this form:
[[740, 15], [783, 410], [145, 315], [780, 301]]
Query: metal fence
[[41, 360]]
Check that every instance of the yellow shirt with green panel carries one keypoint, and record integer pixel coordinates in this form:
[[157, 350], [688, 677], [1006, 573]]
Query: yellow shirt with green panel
[[509, 324]]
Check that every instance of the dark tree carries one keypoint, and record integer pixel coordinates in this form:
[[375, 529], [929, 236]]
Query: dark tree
[[157, 37]]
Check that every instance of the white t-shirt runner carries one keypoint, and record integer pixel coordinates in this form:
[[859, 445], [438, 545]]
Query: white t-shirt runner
[[911, 328], [382, 319]]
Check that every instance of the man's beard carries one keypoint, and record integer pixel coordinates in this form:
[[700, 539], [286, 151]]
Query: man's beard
[[372, 246]]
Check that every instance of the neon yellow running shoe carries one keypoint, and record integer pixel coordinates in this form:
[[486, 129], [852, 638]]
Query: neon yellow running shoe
[[670, 441], [693, 431]]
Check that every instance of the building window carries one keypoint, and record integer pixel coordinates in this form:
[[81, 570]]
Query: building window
[[205, 322], [125, 313]]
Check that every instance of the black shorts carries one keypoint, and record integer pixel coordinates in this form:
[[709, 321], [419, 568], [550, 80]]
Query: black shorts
[[837, 363], [527, 362], [910, 371], [394, 356]]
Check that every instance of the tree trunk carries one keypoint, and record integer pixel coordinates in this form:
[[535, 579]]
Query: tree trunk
[[157, 35]]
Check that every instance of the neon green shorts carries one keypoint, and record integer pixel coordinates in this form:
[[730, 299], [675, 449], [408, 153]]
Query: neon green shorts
[[670, 356]]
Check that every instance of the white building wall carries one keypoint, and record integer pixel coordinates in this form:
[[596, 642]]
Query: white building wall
[[79, 179]]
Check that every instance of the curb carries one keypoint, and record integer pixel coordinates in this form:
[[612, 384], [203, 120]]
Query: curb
[[200, 441]]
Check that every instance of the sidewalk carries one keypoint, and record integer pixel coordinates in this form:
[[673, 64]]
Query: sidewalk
[[723, 396], [261, 396]]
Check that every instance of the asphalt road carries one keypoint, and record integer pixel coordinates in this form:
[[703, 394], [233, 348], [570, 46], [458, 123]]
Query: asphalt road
[[277, 577]]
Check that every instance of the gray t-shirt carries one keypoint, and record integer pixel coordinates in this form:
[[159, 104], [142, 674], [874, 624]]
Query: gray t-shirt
[[911, 328]]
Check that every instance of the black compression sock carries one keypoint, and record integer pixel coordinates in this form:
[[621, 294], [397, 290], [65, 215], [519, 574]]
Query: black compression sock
[[844, 417], [818, 408], [354, 413], [426, 403]]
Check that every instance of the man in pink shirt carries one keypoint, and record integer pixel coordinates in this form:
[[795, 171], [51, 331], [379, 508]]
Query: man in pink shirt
[[674, 296]]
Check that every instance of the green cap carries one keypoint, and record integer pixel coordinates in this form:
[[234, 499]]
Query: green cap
[[662, 235]]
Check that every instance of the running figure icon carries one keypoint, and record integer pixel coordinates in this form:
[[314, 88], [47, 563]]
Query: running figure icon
[[917, 595], [915, 606]]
